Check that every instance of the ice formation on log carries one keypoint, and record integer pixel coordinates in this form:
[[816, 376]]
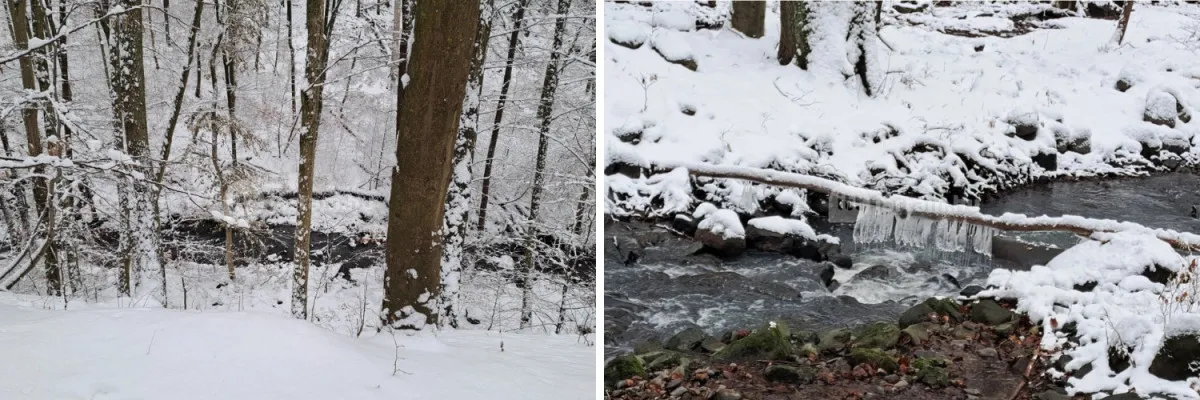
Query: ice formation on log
[[879, 224]]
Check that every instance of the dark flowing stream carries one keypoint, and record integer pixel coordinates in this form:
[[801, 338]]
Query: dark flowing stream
[[668, 288]]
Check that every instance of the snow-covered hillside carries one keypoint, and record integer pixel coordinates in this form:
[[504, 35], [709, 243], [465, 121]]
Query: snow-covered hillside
[[104, 352], [963, 114]]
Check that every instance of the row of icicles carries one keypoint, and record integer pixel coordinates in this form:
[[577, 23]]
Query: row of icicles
[[876, 224]]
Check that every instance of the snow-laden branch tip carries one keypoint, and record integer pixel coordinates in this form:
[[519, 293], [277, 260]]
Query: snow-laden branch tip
[[36, 44]]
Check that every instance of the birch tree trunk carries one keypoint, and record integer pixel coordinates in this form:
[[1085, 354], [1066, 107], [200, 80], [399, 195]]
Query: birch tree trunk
[[310, 121], [426, 128], [545, 108], [513, 40], [458, 195]]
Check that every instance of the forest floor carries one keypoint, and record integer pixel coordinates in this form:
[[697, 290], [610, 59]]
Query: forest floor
[[106, 352]]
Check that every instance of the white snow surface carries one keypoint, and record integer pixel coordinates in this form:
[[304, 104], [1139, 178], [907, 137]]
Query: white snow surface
[[152, 353], [1124, 309], [787, 226], [722, 222], [744, 109]]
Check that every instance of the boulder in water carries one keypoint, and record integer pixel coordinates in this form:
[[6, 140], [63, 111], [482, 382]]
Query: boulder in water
[[686, 339]]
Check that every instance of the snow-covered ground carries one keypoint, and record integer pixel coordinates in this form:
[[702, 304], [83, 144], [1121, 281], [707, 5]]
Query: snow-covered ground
[[943, 117], [104, 352]]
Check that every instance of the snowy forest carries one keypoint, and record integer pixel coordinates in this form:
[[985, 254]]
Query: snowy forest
[[291, 161], [907, 199]]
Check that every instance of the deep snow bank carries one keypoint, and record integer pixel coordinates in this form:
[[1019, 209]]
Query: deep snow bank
[[136, 353], [1110, 305], [955, 117]]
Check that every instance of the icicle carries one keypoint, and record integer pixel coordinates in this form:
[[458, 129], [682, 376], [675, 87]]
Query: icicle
[[878, 225], [982, 240], [874, 224]]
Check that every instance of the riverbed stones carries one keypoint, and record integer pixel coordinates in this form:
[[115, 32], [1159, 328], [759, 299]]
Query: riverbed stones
[[1178, 359], [990, 312], [720, 230], [622, 368], [921, 312], [881, 335], [801, 375], [918, 333], [874, 357], [684, 223], [686, 339], [971, 291], [769, 342], [834, 341]]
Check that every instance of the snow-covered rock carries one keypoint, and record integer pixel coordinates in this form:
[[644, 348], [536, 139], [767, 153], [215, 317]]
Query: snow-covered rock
[[720, 229]]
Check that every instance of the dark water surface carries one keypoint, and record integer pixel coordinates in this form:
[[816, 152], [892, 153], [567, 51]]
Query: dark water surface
[[669, 289]]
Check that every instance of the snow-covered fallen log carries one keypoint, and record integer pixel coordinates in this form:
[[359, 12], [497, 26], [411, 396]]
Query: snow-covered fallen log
[[934, 210]]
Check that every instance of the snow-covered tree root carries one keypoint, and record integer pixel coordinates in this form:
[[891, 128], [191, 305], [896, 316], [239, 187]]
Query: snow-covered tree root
[[906, 206]]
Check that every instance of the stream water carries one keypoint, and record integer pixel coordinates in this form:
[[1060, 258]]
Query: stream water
[[669, 289]]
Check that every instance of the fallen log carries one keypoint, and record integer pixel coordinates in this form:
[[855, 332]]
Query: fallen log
[[932, 209]]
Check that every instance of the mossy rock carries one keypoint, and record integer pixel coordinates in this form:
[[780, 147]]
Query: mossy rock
[[880, 335], [807, 350], [920, 312], [990, 312], [919, 333], [874, 357], [834, 341], [931, 372], [622, 368], [686, 339], [767, 342], [665, 360], [788, 374]]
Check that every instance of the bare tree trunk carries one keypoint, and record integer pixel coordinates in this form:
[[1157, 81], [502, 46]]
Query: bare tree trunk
[[545, 108], [33, 76], [426, 130], [1123, 23], [169, 135], [787, 32], [749, 16], [291, 57], [129, 107], [798, 47], [310, 120], [513, 40], [863, 37], [458, 195]]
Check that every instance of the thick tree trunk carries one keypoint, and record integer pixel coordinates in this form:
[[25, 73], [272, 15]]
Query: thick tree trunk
[[426, 128], [513, 40], [129, 108], [799, 29], [749, 16], [310, 121], [545, 108], [458, 195], [787, 32]]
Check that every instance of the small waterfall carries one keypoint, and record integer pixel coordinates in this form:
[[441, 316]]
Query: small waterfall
[[882, 225]]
